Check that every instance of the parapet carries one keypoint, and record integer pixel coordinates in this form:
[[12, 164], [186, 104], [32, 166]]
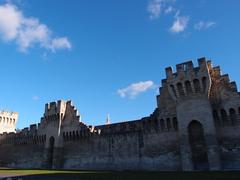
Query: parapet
[[187, 67], [53, 107]]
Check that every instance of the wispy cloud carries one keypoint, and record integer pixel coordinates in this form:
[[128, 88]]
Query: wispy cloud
[[27, 32], [169, 10], [135, 89], [156, 7], [203, 25], [179, 24], [35, 98]]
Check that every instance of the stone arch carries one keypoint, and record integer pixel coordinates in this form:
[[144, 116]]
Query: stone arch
[[188, 87], [169, 126], [64, 136], [216, 118], [50, 152], [224, 116], [70, 135], [197, 86], [162, 124], [233, 116], [73, 134], [180, 89], [175, 124], [204, 84], [198, 146], [173, 90]]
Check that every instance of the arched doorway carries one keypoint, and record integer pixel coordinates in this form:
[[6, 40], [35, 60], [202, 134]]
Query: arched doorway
[[198, 146], [50, 152]]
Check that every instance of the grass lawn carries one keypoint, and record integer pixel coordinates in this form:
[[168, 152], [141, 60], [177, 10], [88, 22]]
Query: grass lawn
[[116, 175]]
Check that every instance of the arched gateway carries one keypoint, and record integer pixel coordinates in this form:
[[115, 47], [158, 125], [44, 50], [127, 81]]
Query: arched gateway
[[198, 146]]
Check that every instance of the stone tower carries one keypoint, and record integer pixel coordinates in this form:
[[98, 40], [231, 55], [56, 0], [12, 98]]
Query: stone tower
[[8, 121], [189, 91], [59, 116]]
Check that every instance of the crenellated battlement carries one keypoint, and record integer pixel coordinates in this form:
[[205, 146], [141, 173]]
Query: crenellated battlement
[[188, 80], [28, 135], [187, 68], [54, 107]]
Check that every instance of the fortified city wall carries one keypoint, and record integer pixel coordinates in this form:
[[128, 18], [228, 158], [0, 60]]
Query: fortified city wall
[[195, 126]]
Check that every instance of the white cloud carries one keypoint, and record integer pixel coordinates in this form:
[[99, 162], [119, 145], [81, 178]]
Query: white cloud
[[156, 7], [60, 43], [135, 89], [27, 31], [10, 21], [203, 25], [180, 23]]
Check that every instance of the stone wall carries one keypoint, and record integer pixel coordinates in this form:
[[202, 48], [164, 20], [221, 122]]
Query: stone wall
[[127, 151], [229, 141], [22, 155]]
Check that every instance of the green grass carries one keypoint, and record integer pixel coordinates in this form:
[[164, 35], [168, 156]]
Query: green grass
[[125, 175]]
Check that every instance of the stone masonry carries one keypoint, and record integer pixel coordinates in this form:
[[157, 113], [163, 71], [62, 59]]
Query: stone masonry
[[195, 126]]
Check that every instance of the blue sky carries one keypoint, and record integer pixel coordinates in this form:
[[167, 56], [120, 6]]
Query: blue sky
[[107, 56]]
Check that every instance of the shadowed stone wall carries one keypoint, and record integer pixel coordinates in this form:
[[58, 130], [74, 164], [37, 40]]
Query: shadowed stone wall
[[132, 151]]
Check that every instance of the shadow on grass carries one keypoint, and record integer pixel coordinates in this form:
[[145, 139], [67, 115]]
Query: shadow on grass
[[117, 175]]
